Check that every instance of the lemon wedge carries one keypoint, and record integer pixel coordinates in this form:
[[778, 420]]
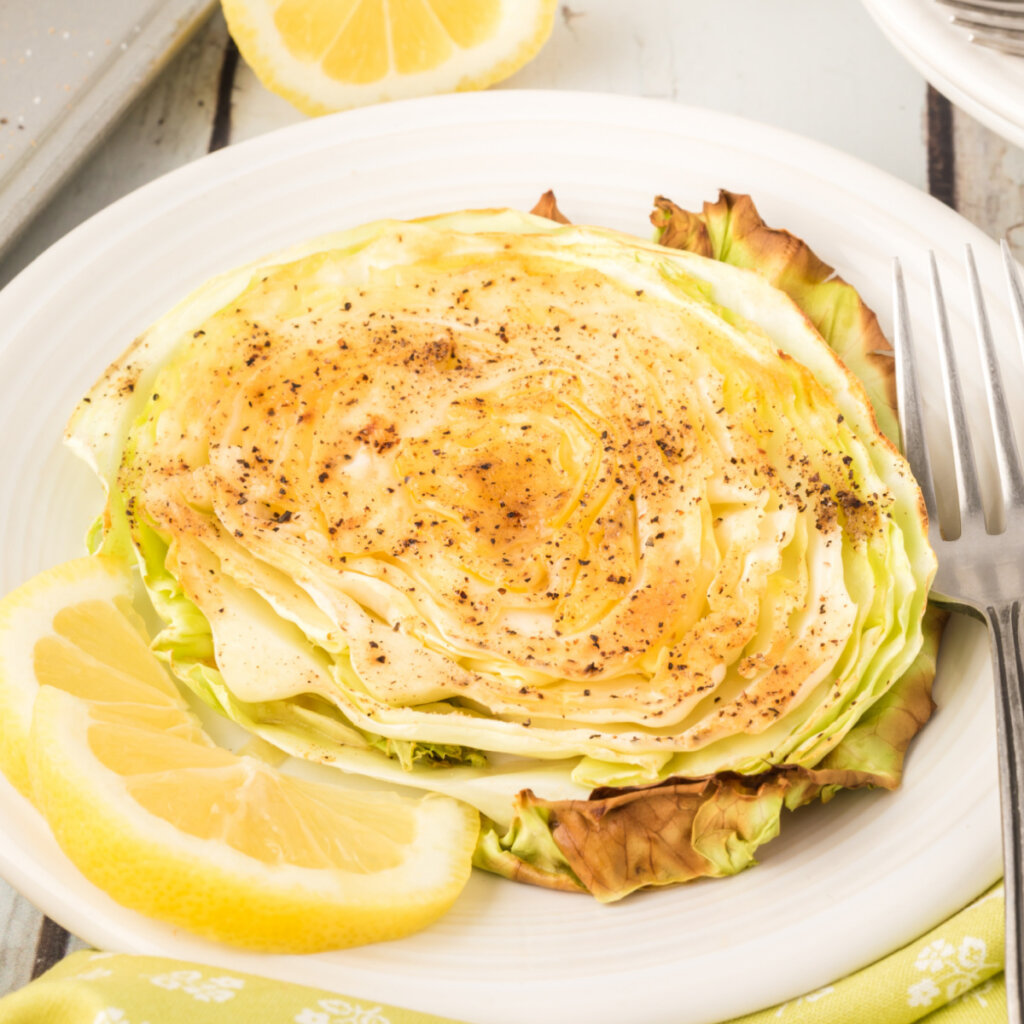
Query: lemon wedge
[[326, 55], [170, 824], [73, 627]]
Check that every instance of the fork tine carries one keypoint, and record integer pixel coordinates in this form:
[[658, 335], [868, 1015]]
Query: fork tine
[[996, 24], [1001, 32], [1011, 474], [1001, 45], [972, 510], [1004, 25], [1016, 291], [908, 399], [1007, 8]]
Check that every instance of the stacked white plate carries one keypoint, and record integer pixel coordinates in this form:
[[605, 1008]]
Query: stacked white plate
[[987, 84]]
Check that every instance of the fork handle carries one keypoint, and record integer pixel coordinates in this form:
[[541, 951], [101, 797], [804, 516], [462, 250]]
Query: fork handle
[[1006, 628]]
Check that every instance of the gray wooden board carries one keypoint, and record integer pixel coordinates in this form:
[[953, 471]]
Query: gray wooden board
[[68, 70]]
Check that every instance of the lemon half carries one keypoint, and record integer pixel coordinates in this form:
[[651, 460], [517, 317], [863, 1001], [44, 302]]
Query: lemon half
[[326, 55]]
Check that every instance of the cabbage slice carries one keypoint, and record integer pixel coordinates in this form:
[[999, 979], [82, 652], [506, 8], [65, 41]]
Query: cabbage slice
[[457, 701]]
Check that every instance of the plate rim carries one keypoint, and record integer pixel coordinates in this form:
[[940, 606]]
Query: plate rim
[[513, 104], [547, 103]]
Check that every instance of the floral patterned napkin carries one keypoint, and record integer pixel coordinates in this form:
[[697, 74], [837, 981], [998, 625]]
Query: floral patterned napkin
[[952, 975]]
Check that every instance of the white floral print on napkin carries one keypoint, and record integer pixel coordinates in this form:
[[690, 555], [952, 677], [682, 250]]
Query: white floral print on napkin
[[95, 974], [206, 990], [949, 970], [811, 997], [339, 1011], [113, 1015]]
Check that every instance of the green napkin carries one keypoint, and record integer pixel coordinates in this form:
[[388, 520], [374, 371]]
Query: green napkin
[[952, 975]]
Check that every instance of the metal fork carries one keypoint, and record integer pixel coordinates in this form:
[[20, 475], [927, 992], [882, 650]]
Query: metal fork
[[981, 570], [997, 24]]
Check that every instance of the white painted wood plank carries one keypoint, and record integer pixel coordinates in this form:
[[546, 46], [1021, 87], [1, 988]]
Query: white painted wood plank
[[75, 944], [256, 110], [818, 69], [989, 176], [19, 930]]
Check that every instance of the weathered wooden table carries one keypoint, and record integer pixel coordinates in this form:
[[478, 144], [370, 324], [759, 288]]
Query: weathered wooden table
[[819, 69]]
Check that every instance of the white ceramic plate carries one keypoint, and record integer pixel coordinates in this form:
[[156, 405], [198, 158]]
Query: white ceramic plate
[[987, 84], [845, 883]]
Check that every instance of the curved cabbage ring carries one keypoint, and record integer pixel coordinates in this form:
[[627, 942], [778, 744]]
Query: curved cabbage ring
[[487, 482]]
